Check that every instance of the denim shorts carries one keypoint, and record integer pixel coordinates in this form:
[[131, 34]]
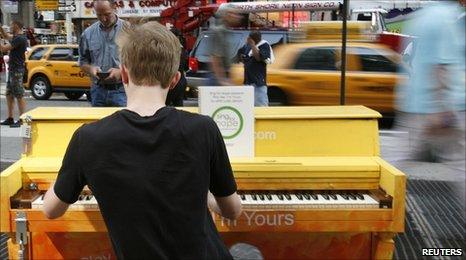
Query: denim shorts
[[260, 96], [14, 86], [101, 97]]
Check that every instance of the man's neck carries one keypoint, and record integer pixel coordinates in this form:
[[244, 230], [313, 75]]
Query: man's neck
[[110, 27], [145, 100]]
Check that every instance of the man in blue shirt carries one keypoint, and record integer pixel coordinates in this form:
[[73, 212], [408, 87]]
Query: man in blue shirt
[[98, 53], [255, 55]]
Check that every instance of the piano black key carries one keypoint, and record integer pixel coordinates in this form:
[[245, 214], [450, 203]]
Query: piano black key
[[261, 196], [333, 196], [306, 196], [280, 196], [88, 197], [345, 196], [242, 196], [254, 196], [326, 196], [359, 196], [287, 196], [314, 196], [269, 196], [351, 195], [300, 197]]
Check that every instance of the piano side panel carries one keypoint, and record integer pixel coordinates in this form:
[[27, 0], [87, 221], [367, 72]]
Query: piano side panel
[[10, 183], [71, 245], [393, 182], [291, 245], [323, 137]]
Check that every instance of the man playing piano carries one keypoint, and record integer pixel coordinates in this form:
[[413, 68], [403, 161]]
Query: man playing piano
[[149, 166]]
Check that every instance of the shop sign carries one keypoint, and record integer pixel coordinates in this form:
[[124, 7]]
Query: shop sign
[[10, 7], [127, 8], [281, 6], [46, 5]]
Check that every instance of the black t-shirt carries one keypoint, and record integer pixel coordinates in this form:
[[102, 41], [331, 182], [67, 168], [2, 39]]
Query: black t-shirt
[[150, 176], [255, 72], [19, 44]]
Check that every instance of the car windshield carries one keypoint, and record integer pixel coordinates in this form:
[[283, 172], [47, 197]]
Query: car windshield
[[236, 41]]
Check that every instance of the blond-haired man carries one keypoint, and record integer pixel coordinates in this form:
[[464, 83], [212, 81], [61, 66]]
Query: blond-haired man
[[149, 166]]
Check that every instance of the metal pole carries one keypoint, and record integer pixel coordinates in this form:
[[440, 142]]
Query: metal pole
[[68, 26], [343, 53], [292, 15]]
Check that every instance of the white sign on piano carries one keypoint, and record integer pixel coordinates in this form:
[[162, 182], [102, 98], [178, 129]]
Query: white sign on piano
[[232, 108]]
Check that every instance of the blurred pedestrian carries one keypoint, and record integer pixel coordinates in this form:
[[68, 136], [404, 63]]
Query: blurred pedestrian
[[255, 55], [175, 95], [17, 46], [221, 54], [98, 56], [431, 103]]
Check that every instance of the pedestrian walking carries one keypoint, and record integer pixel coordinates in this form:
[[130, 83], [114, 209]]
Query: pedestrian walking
[[221, 55], [431, 103]]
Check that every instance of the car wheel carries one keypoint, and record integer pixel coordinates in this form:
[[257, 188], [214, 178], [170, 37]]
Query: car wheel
[[276, 96], [40, 88], [73, 95]]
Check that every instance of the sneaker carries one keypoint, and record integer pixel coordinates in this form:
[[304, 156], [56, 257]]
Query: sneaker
[[8, 121], [17, 123]]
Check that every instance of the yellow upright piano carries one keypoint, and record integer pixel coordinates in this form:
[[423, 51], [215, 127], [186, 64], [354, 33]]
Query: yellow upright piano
[[316, 189]]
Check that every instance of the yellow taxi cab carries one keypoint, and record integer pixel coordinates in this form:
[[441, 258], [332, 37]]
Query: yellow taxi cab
[[54, 68], [308, 74]]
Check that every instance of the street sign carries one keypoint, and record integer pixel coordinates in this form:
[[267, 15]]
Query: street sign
[[65, 6], [46, 5]]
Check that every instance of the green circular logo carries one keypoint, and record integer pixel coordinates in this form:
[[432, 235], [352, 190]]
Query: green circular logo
[[229, 120]]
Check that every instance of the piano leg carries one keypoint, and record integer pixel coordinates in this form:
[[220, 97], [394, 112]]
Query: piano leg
[[383, 245], [14, 248]]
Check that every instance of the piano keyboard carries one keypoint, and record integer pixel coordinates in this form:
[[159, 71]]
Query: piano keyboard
[[269, 199], [307, 199], [83, 202]]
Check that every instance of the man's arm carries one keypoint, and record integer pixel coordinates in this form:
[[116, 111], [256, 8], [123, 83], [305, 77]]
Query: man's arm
[[85, 58], [53, 206], [255, 50], [228, 207], [222, 198], [69, 184]]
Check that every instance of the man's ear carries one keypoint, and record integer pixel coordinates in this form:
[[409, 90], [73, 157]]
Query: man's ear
[[175, 80], [124, 74]]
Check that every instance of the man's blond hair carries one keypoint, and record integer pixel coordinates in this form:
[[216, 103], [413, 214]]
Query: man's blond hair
[[150, 52]]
